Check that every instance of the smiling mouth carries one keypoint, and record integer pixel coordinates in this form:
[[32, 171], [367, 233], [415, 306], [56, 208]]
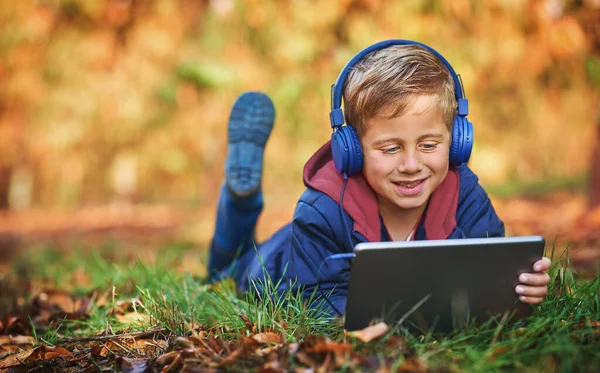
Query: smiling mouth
[[411, 184]]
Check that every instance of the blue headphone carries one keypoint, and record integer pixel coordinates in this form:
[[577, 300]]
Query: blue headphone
[[345, 145]]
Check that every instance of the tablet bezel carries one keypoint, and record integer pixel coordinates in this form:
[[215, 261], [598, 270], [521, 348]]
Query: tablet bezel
[[506, 257]]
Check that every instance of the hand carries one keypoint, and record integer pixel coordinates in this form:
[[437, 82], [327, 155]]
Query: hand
[[533, 286]]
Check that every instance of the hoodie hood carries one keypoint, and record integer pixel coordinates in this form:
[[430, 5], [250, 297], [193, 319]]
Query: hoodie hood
[[360, 201]]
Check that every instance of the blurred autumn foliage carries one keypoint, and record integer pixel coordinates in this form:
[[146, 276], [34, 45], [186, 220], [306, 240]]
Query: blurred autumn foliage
[[105, 101]]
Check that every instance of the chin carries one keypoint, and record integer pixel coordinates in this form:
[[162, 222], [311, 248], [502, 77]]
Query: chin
[[411, 206]]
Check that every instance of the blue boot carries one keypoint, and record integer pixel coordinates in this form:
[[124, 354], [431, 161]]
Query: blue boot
[[240, 200], [250, 124]]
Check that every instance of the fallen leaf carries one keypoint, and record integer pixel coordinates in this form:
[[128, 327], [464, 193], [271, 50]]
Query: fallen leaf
[[267, 337], [133, 317], [128, 365], [122, 307], [335, 347], [498, 351], [16, 359], [16, 340], [247, 323], [49, 353], [370, 333], [12, 325], [395, 341], [9, 350], [272, 367], [54, 304], [102, 350], [412, 365], [36, 354], [550, 364], [246, 348], [172, 360], [141, 346], [55, 299], [186, 342], [168, 358], [303, 358]]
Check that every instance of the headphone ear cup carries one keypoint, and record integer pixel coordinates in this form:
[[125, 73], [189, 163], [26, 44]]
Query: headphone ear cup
[[467, 141], [354, 151], [339, 151], [462, 141], [457, 141], [346, 151]]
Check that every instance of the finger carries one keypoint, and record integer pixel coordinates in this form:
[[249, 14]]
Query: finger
[[535, 279], [531, 300], [542, 265], [531, 291]]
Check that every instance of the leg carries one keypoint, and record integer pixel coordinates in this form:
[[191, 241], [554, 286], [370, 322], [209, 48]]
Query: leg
[[240, 200], [234, 229]]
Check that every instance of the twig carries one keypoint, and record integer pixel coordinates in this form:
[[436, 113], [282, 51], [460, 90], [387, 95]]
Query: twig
[[106, 337]]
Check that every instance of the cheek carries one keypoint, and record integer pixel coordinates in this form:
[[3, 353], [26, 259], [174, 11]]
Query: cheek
[[440, 166], [375, 164]]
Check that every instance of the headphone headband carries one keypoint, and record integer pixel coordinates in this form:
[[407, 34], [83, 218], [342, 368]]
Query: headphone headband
[[337, 89]]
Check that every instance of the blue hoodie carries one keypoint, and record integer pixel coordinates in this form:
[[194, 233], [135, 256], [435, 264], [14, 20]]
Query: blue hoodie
[[458, 208]]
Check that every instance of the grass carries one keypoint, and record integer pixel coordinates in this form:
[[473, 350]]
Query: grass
[[563, 333]]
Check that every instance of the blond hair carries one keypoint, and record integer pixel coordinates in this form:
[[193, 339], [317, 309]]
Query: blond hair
[[385, 83]]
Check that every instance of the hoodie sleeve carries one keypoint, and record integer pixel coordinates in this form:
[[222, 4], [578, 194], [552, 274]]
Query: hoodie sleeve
[[475, 215], [318, 233]]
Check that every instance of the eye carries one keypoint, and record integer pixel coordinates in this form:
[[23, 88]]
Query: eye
[[429, 146], [391, 150]]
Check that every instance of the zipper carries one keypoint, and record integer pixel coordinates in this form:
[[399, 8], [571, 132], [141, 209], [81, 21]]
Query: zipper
[[359, 237]]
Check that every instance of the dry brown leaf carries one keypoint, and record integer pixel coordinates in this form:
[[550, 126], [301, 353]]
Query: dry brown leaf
[[247, 323], [128, 365], [36, 354], [214, 344], [12, 325], [330, 347], [16, 340], [267, 337], [267, 350], [54, 298], [246, 348], [123, 306], [11, 345], [498, 351], [370, 333], [9, 350], [395, 341], [412, 365], [55, 304], [133, 317], [303, 358], [49, 353], [172, 361], [187, 342], [102, 350], [325, 365], [148, 346], [168, 358], [16, 359], [272, 367]]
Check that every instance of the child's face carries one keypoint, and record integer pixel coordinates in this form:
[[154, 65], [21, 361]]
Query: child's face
[[406, 158]]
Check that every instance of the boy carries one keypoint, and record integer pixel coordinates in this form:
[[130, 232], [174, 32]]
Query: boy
[[397, 181]]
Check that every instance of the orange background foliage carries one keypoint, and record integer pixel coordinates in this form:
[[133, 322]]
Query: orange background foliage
[[126, 101]]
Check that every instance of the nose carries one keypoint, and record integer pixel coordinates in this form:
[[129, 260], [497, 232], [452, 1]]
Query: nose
[[410, 162]]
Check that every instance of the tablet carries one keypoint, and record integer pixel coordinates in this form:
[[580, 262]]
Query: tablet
[[439, 285]]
